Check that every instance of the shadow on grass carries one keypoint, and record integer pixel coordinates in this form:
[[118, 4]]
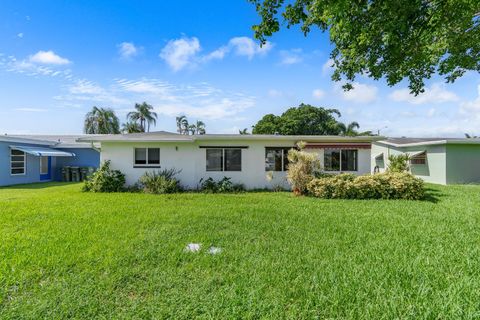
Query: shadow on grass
[[433, 195], [37, 185]]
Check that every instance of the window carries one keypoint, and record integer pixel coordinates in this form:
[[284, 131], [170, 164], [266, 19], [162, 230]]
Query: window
[[43, 165], [17, 162], [419, 159], [340, 160], [224, 159], [147, 156], [276, 159]]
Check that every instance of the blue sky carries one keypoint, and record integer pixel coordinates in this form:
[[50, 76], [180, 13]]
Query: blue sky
[[198, 58]]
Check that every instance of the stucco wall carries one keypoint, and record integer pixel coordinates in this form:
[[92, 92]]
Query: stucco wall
[[191, 159], [433, 171], [84, 157], [32, 172], [463, 164]]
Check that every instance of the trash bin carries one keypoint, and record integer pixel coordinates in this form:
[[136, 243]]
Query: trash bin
[[75, 174], [83, 173], [66, 174]]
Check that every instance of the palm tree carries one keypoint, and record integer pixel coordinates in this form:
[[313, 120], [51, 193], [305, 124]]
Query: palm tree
[[182, 124], [131, 127], [349, 130], [144, 115], [200, 127], [244, 131], [101, 121]]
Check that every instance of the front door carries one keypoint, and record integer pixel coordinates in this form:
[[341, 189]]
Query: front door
[[45, 168]]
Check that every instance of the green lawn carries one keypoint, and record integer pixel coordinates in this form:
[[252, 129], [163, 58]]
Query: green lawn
[[67, 254]]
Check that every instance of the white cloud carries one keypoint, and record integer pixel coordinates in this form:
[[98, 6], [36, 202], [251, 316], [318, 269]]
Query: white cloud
[[361, 93], [218, 54], [180, 53], [127, 50], [327, 67], [20, 35], [318, 94], [289, 57], [86, 87], [436, 93], [469, 107], [48, 57], [244, 46]]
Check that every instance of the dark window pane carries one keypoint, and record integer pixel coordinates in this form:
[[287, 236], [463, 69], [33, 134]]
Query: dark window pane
[[18, 171], [140, 156], [332, 160], [233, 159], [17, 158], [273, 160], [285, 159], [17, 153], [153, 156], [17, 164], [349, 160], [214, 159]]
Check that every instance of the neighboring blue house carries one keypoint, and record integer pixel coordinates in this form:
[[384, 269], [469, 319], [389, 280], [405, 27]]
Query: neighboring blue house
[[39, 158]]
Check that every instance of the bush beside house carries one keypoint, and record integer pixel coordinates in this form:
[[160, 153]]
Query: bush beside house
[[105, 180]]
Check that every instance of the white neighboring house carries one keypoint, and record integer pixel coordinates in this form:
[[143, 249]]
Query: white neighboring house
[[247, 159]]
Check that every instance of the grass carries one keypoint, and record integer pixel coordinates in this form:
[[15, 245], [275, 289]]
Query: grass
[[67, 254]]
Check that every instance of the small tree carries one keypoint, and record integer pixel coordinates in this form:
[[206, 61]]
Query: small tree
[[398, 163], [302, 167]]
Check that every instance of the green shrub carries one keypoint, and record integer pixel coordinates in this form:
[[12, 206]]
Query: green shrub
[[302, 167], [160, 182], [398, 163], [105, 180], [389, 185], [225, 185]]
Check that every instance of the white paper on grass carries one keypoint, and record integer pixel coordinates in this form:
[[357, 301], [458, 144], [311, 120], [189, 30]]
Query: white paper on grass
[[193, 247], [214, 250]]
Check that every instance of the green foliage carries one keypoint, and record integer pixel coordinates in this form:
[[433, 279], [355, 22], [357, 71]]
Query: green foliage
[[101, 121], [143, 116], [390, 185], [398, 163], [225, 185], [302, 168], [105, 180], [394, 40], [304, 120], [160, 182], [131, 127], [183, 126]]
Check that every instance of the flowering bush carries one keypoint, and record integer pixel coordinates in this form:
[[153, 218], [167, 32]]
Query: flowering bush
[[389, 185]]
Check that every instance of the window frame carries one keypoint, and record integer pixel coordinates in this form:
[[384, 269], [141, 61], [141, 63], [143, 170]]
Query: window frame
[[146, 164], [223, 158], [284, 155], [340, 160], [420, 159], [47, 159], [18, 161]]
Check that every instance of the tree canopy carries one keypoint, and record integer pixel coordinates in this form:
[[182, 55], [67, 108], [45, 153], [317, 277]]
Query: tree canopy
[[395, 40], [101, 121], [302, 120]]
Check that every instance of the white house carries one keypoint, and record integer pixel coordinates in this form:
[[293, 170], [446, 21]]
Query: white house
[[257, 161]]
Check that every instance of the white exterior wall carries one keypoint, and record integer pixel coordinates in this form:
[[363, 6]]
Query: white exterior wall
[[191, 159]]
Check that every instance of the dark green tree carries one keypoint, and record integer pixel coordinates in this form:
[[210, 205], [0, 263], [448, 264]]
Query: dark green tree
[[395, 40], [302, 120], [101, 121], [144, 115]]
